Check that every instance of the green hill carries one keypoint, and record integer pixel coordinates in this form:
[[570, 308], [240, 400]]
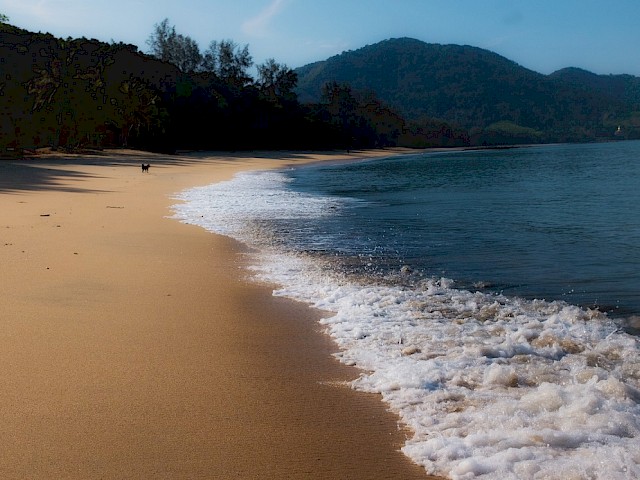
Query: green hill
[[622, 88], [82, 93], [74, 94], [481, 91]]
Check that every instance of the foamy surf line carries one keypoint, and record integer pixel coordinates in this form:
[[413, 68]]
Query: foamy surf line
[[492, 386]]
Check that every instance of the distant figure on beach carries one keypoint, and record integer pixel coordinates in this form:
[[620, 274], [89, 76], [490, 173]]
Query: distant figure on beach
[[145, 168]]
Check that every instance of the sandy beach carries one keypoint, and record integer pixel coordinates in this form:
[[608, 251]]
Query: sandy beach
[[133, 346]]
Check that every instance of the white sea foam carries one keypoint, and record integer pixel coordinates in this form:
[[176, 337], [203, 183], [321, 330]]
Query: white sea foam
[[493, 387]]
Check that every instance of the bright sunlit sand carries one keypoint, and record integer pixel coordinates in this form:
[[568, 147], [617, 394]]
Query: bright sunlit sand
[[133, 347]]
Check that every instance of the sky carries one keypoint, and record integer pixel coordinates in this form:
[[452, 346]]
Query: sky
[[602, 36]]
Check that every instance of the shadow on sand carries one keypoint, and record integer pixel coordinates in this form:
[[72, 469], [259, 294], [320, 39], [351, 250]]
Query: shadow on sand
[[51, 172]]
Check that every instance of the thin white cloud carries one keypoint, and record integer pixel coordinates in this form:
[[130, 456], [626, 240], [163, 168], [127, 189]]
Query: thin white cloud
[[332, 48], [495, 42], [40, 10], [259, 25], [52, 13]]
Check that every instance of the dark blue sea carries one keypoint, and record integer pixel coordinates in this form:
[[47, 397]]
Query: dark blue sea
[[488, 296], [547, 222]]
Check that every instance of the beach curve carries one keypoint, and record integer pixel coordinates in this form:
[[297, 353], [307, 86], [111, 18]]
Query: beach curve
[[135, 348]]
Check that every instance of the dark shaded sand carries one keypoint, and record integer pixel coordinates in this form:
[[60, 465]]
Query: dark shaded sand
[[132, 346]]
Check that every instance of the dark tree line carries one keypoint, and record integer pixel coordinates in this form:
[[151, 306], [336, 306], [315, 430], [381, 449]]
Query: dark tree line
[[81, 93]]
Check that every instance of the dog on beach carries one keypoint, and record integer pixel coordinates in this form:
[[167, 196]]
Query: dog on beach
[[145, 168]]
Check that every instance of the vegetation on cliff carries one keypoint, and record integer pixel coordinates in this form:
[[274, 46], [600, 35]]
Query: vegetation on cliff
[[79, 93], [83, 93]]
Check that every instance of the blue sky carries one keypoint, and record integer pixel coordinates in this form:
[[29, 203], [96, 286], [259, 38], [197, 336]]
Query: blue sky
[[602, 36]]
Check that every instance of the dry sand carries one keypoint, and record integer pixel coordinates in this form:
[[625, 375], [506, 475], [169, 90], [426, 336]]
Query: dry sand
[[132, 346]]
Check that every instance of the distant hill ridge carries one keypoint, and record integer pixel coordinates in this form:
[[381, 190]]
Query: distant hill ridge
[[476, 88], [624, 88]]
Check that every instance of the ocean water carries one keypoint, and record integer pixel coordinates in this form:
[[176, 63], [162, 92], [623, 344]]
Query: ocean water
[[491, 297]]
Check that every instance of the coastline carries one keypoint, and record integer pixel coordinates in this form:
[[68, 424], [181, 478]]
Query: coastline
[[135, 348]]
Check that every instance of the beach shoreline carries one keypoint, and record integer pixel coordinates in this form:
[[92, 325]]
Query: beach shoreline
[[135, 347]]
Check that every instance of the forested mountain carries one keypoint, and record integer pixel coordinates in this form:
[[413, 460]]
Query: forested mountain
[[622, 88], [78, 93], [81, 93], [488, 95]]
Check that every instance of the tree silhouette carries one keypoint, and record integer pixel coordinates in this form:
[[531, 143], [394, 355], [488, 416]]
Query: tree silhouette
[[229, 62], [177, 49], [276, 81]]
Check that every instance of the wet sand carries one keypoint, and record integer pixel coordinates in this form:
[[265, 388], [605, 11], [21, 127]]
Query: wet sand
[[133, 346]]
